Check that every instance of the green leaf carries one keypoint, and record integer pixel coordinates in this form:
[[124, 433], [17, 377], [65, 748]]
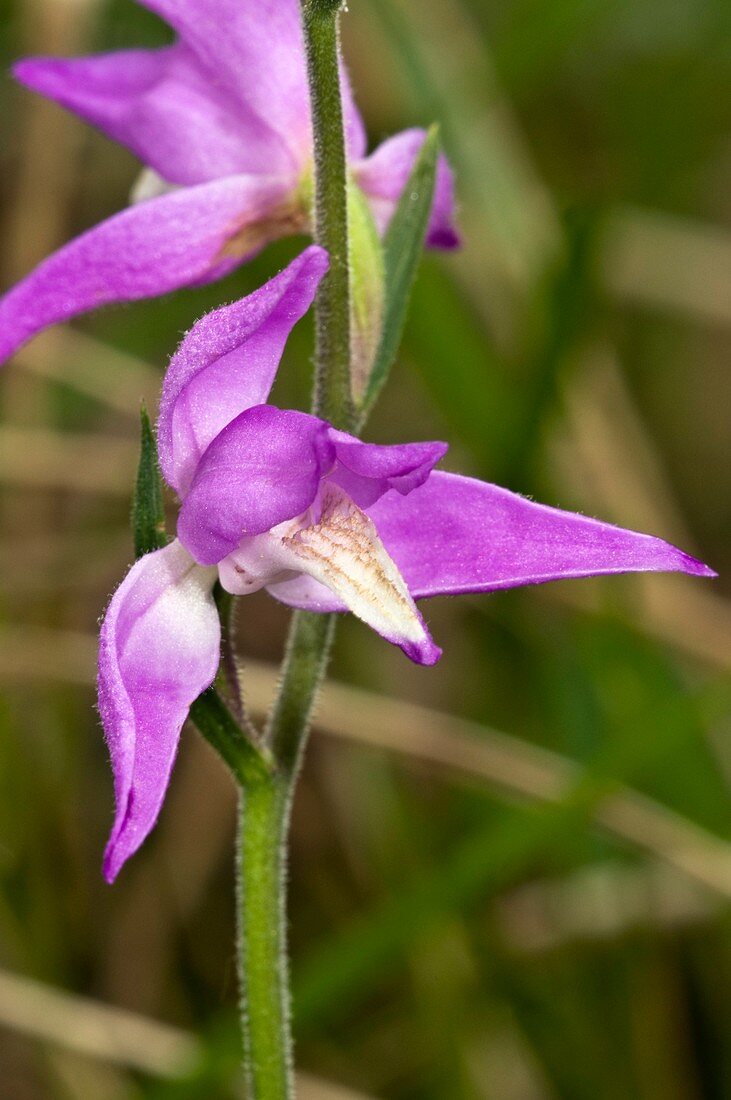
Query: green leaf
[[148, 505], [403, 245]]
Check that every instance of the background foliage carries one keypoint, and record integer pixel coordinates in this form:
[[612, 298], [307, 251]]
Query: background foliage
[[521, 890]]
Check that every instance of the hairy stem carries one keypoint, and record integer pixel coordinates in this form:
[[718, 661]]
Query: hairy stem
[[262, 946], [266, 802], [305, 664], [214, 721], [332, 398]]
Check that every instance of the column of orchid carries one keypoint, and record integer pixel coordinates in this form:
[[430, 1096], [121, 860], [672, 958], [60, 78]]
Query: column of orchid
[[248, 131]]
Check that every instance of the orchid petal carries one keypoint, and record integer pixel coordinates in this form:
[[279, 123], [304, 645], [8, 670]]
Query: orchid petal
[[306, 594], [343, 553], [455, 534], [368, 470], [383, 175], [227, 363], [182, 239], [159, 649], [164, 106], [256, 48], [264, 468]]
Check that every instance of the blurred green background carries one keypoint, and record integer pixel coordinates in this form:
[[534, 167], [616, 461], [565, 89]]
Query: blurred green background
[[511, 874]]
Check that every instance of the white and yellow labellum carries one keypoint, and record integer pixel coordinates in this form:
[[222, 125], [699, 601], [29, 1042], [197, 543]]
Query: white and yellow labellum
[[344, 552]]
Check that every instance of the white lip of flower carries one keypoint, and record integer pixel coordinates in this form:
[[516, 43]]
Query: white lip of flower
[[343, 551]]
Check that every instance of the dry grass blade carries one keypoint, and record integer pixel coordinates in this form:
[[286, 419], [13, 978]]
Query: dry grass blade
[[314, 1088], [94, 1029], [85, 463], [609, 462], [601, 902], [116, 1036], [95, 369], [475, 751], [670, 264], [468, 749]]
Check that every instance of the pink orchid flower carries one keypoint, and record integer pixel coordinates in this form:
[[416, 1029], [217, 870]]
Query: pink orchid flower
[[278, 499], [221, 119]]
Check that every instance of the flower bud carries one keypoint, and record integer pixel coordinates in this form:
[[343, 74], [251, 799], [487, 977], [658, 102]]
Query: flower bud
[[367, 289]]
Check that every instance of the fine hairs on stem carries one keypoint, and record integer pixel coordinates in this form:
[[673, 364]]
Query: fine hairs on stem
[[265, 803]]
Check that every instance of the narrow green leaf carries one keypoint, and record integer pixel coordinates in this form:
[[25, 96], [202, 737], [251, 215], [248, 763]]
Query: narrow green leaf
[[402, 247], [148, 506]]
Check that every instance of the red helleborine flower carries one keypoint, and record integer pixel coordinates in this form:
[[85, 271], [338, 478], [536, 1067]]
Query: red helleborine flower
[[221, 119], [277, 499]]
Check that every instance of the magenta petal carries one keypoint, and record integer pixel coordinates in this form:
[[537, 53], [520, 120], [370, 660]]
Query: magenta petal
[[157, 246], [368, 470], [306, 594], [159, 649], [383, 176], [166, 108], [455, 534], [227, 363], [263, 469], [255, 47]]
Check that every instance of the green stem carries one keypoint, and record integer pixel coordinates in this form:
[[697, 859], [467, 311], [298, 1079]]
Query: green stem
[[266, 801], [262, 867], [249, 763], [305, 664], [262, 939], [332, 398], [230, 667]]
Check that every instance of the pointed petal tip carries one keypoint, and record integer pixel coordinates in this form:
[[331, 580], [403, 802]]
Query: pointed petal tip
[[317, 257], [111, 865], [44, 75], [445, 239], [122, 844], [693, 566], [425, 653], [27, 69], [120, 847]]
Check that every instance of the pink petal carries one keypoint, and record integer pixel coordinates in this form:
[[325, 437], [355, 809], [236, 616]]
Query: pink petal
[[227, 363], [306, 594], [159, 649], [264, 468], [384, 174], [256, 48], [368, 470], [186, 238], [455, 534], [164, 106]]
